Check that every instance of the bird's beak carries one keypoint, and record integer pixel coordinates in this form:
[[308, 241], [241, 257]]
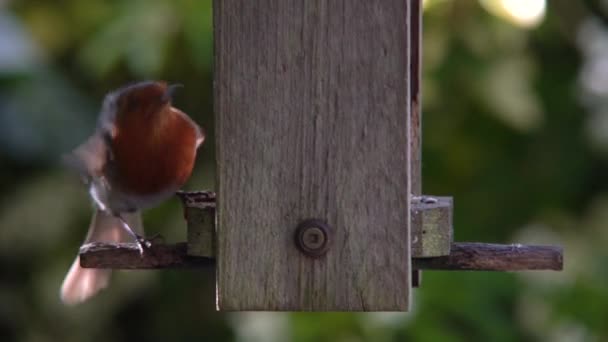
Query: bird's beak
[[171, 90]]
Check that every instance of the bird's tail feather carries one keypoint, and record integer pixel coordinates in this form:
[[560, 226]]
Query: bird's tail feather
[[81, 283]]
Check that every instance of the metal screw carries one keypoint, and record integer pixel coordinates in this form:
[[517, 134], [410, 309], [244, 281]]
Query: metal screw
[[313, 237]]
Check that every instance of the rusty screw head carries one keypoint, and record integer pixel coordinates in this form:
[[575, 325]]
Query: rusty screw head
[[313, 237]]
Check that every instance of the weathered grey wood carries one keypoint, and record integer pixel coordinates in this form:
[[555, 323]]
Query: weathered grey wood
[[312, 105], [199, 211], [127, 256], [415, 98], [433, 216], [416, 116], [492, 257]]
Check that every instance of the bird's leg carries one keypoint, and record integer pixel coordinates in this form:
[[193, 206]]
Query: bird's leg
[[142, 242]]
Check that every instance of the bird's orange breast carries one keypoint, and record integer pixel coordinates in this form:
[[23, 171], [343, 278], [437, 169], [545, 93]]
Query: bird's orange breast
[[154, 154]]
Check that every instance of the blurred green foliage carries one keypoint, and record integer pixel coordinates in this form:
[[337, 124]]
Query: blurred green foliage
[[515, 127]]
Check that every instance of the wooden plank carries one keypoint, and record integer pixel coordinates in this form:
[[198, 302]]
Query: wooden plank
[[416, 117], [415, 95], [474, 256], [199, 211], [127, 256], [433, 216], [312, 121], [467, 256]]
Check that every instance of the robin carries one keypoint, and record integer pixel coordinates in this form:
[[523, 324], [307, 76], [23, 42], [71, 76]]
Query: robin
[[143, 150]]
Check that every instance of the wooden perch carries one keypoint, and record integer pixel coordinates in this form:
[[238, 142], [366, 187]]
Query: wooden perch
[[464, 256], [472, 256], [126, 256]]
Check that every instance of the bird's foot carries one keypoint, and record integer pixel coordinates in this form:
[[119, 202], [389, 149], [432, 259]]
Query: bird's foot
[[142, 244], [145, 243]]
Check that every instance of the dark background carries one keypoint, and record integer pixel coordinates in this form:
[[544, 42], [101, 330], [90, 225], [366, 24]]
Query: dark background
[[515, 128]]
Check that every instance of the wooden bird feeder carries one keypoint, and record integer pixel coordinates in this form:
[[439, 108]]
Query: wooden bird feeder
[[319, 204]]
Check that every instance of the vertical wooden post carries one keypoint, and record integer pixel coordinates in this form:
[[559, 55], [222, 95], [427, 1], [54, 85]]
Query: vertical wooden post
[[313, 107]]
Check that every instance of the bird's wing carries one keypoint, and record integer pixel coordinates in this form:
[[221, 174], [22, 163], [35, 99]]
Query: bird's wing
[[199, 131], [90, 158]]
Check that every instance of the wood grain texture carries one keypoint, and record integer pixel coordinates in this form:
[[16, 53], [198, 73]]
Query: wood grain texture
[[466, 256], [126, 256], [433, 216], [415, 97], [474, 256], [199, 211], [416, 116], [312, 107]]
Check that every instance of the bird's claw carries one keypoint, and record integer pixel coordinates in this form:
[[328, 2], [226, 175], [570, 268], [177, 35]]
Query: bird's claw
[[146, 243], [142, 244]]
